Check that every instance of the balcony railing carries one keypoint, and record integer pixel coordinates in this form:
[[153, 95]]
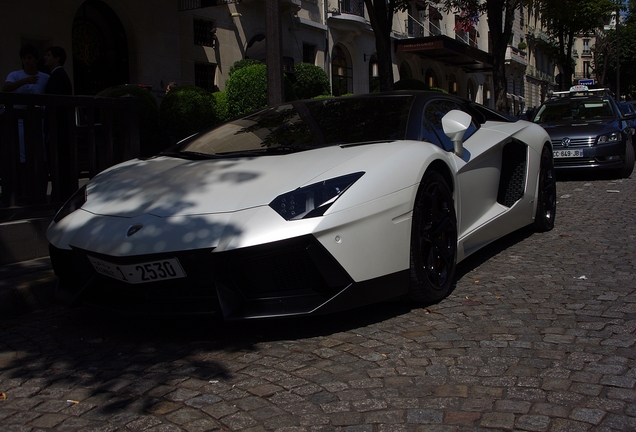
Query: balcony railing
[[516, 55], [584, 75], [185, 5], [533, 72], [352, 7], [415, 28], [539, 34]]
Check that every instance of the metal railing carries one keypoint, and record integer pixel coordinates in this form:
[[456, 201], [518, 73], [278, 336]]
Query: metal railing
[[185, 5], [93, 132], [539, 74], [353, 7], [416, 28]]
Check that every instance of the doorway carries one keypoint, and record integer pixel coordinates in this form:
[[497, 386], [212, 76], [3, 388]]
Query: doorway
[[100, 49]]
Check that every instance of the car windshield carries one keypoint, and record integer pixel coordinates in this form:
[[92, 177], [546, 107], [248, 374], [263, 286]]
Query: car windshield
[[305, 125], [575, 109]]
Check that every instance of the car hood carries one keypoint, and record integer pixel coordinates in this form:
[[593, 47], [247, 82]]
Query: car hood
[[168, 186], [579, 129]]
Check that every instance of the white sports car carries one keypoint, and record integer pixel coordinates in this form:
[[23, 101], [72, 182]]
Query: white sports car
[[308, 207]]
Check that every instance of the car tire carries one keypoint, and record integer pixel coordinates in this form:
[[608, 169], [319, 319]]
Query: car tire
[[433, 240], [546, 196], [628, 167]]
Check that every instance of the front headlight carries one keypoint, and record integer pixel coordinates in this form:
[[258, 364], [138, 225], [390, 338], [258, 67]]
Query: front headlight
[[613, 137], [313, 200], [74, 202]]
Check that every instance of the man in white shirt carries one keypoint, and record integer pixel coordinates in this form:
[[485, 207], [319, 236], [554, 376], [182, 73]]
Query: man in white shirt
[[29, 80]]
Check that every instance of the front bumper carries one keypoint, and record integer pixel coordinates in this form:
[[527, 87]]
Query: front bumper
[[291, 277], [604, 156]]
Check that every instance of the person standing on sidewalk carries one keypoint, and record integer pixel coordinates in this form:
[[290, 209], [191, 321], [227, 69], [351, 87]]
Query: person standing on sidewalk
[[29, 80], [60, 84]]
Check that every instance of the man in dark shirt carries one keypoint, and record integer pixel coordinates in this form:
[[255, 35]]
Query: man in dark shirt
[[60, 84]]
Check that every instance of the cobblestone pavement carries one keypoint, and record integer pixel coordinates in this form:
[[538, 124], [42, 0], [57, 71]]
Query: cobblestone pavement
[[538, 336]]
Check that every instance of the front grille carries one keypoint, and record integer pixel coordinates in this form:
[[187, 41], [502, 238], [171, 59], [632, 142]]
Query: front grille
[[289, 268], [299, 272], [576, 142], [279, 273], [194, 294]]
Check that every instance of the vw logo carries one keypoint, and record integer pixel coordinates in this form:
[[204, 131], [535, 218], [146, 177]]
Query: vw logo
[[566, 142], [133, 229]]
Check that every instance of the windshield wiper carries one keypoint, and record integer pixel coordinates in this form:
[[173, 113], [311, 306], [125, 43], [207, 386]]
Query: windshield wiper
[[265, 150], [188, 155], [353, 144]]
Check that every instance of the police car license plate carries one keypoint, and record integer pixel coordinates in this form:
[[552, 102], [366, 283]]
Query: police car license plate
[[152, 271]]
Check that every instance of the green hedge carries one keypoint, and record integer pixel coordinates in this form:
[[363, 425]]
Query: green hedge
[[410, 84], [247, 90], [310, 81], [187, 110], [240, 64], [221, 106], [148, 117]]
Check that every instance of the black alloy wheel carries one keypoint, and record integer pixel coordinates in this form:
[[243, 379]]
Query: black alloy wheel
[[546, 198], [433, 240]]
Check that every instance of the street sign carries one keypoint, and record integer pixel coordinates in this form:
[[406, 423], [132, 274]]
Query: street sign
[[586, 82]]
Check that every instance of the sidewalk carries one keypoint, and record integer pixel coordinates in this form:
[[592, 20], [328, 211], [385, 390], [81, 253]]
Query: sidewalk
[[26, 286], [27, 281]]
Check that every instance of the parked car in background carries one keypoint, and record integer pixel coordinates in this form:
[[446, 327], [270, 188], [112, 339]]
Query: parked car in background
[[588, 131], [307, 207], [629, 112]]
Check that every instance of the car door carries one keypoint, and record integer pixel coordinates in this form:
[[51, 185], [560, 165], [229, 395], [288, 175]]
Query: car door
[[477, 171]]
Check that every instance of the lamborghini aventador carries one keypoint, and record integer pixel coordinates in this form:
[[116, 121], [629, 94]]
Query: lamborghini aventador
[[307, 207]]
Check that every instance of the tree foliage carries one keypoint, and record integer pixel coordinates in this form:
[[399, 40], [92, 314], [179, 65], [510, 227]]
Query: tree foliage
[[500, 14], [564, 20], [381, 17], [605, 55]]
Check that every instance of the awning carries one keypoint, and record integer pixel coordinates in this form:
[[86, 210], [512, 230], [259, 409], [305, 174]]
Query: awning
[[447, 50]]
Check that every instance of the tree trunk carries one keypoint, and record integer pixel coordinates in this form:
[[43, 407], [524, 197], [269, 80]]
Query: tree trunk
[[381, 18], [500, 18], [500, 82]]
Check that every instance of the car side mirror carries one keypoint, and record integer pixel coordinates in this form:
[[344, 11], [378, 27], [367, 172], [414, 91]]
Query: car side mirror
[[455, 123]]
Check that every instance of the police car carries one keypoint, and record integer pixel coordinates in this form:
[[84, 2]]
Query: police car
[[588, 131]]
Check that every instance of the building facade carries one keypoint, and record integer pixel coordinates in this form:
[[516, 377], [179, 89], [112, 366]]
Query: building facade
[[156, 42]]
